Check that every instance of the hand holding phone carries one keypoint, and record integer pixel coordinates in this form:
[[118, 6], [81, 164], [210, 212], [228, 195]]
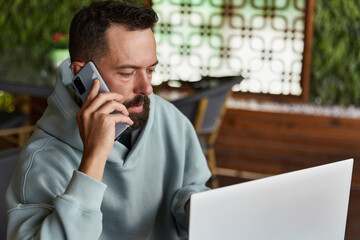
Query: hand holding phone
[[82, 84], [97, 129]]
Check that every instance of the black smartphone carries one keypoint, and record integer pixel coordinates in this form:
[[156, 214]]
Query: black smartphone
[[82, 84]]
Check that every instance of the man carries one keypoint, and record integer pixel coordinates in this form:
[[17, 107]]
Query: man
[[73, 181]]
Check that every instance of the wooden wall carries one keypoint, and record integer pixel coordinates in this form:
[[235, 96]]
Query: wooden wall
[[273, 143], [253, 144]]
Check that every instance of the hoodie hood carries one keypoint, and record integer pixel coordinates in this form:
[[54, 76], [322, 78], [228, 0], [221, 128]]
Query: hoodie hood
[[59, 118]]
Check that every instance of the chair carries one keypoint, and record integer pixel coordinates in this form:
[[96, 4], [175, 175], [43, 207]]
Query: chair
[[8, 160], [205, 109]]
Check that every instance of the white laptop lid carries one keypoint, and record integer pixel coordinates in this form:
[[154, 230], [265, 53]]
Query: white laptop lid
[[306, 204]]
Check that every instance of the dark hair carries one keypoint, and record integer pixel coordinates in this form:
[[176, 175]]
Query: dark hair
[[87, 39]]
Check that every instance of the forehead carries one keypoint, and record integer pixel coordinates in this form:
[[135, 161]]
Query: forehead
[[126, 45], [119, 36]]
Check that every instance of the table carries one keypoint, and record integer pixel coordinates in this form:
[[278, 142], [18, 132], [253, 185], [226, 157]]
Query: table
[[26, 89]]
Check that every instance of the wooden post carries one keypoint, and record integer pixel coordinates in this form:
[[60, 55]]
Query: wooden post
[[306, 66]]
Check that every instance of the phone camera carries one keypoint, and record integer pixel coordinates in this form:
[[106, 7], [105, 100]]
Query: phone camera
[[79, 85]]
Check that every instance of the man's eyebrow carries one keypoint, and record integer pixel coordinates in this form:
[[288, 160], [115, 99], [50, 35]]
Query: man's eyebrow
[[134, 66], [154, 64]]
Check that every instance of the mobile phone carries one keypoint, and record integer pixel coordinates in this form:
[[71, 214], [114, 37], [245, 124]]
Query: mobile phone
[[82, 84]]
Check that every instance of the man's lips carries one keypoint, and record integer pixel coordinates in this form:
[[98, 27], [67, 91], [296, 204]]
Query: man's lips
[[136, 109]]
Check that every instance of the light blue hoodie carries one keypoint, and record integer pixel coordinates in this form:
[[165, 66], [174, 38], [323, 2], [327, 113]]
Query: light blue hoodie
[[143, 192]]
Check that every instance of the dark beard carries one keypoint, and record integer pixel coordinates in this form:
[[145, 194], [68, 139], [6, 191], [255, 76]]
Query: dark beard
[[141, 118]]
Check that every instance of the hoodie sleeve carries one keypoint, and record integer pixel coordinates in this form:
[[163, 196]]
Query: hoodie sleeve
[[196, 174], [37, 211]]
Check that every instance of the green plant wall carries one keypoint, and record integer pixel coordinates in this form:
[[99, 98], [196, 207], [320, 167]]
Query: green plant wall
[[335, 73], [26, 30], [32, 23], [27, 27]]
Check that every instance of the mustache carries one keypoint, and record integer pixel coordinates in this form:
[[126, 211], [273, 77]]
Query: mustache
[[138, 100]]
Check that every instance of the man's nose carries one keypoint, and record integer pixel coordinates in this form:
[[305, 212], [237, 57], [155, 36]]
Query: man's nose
[[143, 83]]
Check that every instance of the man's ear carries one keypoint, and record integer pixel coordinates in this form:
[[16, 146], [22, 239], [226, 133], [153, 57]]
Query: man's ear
[[76, 66]]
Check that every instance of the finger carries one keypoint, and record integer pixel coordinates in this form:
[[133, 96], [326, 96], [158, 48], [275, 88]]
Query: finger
[[120, 118], [103, 98], [112, 106], [93, 92]]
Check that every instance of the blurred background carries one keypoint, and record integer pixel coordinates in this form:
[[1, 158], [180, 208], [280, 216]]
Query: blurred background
[[298, 106]]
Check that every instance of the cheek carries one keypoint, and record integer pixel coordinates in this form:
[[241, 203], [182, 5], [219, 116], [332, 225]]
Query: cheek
[[118, 85], [125, 89], [114, 84]]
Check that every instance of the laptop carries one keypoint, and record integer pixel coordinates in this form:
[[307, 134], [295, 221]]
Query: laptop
[[306, 204]]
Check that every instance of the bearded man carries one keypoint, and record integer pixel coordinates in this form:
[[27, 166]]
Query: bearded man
[[73, 181]]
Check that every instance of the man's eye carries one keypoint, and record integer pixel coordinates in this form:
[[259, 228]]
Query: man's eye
[[127, 74], [151, 71]]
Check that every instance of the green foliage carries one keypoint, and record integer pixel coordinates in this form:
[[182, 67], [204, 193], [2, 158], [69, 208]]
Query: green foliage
[[27, 33], [34, 22], [27, 27], [335, 77], [7, 102]]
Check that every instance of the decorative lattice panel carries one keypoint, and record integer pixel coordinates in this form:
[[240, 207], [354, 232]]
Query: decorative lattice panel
[[261, 39]]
